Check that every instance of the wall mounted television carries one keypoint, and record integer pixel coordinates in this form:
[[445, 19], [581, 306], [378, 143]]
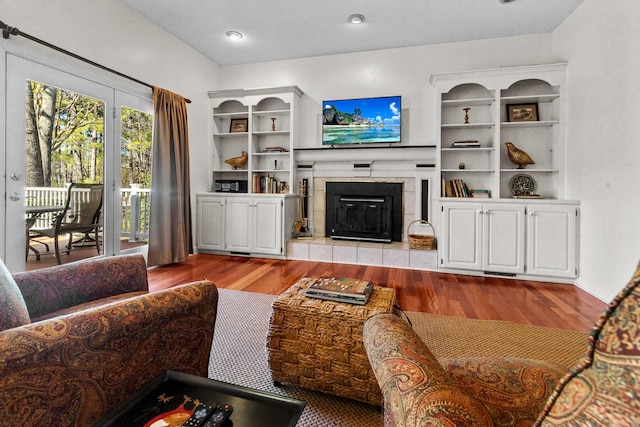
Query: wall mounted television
[[361, 121]]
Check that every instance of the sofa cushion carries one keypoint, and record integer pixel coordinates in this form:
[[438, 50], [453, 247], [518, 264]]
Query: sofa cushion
[[417, 391], [605, 388], [13, 310], [88, 305], [52, 289], [514, 391]]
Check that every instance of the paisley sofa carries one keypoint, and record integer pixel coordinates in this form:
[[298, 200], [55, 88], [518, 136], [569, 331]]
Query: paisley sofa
[[601, 390], [78, 339]]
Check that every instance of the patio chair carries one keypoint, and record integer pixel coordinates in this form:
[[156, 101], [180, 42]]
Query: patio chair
[[81, 214]]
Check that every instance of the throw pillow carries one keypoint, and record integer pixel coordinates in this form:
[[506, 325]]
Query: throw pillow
[[13, 310]]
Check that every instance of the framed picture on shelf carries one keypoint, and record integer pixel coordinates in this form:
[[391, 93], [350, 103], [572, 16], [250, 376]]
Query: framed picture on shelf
[[238, 125], [522, 112]]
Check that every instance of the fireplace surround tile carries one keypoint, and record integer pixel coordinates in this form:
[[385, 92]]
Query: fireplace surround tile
[[346, 251], [370, 254], [395, 257], [319, 250]]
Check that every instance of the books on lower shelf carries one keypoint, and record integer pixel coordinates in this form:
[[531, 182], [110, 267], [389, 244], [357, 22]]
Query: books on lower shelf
[[267, 184], [341, 289], [481, 193], [458, 188]]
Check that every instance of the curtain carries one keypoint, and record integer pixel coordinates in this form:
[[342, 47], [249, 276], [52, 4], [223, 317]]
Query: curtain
[[170, 238]]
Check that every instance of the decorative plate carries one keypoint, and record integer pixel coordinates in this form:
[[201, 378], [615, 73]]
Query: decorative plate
[[522, 184]]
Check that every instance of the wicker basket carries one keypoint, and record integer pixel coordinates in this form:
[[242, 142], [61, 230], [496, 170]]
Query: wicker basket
[[318, 344], [421, 241]]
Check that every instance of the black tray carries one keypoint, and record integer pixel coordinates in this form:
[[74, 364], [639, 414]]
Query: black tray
[[175, 393]]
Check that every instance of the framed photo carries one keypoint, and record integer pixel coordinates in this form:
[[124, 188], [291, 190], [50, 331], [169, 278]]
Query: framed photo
[[522, 112], [238, 125]]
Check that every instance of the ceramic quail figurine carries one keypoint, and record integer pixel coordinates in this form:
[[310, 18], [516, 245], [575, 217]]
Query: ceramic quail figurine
[[518, 156], [238, 162]]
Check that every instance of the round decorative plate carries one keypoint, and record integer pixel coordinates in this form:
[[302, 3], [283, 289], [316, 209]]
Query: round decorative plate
[[522, 184]]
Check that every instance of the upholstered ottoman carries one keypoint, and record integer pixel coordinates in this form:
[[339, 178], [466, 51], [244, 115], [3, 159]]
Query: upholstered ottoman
[[317, 344]]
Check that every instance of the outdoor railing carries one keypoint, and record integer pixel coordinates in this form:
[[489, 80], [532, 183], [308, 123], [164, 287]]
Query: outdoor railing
[[134, 202]]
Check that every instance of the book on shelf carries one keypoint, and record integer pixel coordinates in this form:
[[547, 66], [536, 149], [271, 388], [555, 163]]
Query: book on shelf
[[341, 289], [265, 184], [465, 144], [527, 196], [274, 149], [480, 193], [455, 188]]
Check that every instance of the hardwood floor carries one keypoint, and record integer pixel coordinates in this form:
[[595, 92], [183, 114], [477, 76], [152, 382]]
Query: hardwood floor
[[527, 302]]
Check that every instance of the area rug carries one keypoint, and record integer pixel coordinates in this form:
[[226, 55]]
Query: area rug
[[239, 354]]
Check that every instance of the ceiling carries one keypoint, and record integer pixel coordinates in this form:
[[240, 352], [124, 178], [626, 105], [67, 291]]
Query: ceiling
[[287, 29]]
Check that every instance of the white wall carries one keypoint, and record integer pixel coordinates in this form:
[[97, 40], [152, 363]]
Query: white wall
[[601, 43], [402, 72], [112, 34]]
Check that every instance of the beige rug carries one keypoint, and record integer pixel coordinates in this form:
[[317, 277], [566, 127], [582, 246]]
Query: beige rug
[[482, 338], [239, 354]]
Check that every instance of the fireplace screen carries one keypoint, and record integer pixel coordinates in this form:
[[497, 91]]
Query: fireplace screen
[[365, 218], [364, 211]]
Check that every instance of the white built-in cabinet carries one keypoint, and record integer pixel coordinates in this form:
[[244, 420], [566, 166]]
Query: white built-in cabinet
[[507, 233], [537, 239], [210, 222], [486, 237], [261, 123], [244, 224], [257, 220]]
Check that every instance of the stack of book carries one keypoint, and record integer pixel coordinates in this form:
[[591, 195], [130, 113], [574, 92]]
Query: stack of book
[[480, 193], [455, 188], [274, 149], [265, 184], [466, 144], [341, 289]]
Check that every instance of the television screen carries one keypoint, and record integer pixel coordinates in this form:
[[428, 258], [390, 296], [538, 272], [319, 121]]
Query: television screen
[[361, 121]]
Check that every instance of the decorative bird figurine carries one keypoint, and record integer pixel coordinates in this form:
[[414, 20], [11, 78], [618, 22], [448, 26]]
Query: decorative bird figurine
[[238, 162], [518, 156]]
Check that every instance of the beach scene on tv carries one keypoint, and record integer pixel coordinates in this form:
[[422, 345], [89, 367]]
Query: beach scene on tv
[[361, 121]]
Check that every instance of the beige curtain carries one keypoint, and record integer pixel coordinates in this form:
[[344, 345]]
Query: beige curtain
[[170, 238]]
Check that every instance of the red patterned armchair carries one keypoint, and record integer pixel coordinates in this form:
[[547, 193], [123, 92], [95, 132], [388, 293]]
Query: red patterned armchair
[[78, 339], [602, 390]]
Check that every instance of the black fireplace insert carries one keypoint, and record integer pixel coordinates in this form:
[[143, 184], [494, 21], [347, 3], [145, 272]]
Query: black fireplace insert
[[370, 211]]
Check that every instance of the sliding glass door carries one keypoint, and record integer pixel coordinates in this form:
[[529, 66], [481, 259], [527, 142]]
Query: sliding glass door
[[64, 129], [134, 120]]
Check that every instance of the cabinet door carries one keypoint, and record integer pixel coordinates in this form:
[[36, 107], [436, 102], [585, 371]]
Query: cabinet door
[[210, 223], [552, 240], [238, 224], [503, 237], [462, 231], [268, 226]]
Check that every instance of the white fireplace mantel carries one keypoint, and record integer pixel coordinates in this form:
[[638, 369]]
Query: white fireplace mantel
[[408, 164]]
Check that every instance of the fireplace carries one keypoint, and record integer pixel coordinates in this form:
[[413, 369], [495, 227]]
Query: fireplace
[[370, 211]]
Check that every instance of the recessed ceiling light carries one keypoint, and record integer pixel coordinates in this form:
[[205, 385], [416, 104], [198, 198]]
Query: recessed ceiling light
[[234, 35], [355, 19]]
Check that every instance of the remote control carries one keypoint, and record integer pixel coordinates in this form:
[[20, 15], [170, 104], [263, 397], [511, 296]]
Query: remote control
[[200, 415], [219, 416]]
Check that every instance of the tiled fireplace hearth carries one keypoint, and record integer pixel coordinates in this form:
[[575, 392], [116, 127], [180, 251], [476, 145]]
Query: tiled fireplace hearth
[[394, 254], [409, 168]]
